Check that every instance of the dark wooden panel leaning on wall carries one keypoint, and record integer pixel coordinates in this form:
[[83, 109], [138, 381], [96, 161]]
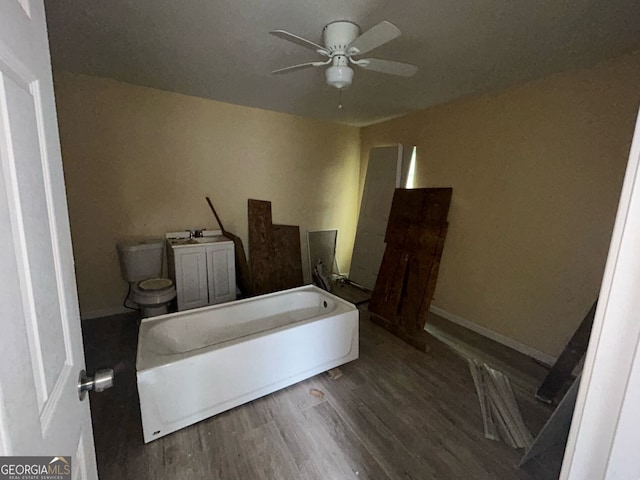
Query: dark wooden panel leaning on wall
[[407, 278], [274, 251]]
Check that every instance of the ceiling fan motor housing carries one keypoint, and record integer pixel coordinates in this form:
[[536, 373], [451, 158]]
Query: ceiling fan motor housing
[[337, 36]]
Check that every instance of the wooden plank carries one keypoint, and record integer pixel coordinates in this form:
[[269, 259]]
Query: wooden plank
[[386, 294], [414, 292], [405, 210], [260, 242], [568, 359], [286, 257], [275, 254], [407, 278], [423, 239], [351, 293], [436, 205], [417, 206]]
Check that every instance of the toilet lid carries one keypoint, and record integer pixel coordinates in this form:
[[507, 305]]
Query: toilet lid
[[155, 284]]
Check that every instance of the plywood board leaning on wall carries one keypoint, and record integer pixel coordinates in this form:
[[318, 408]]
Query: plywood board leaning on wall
[[407, 278], [287, 262], [274, 251]]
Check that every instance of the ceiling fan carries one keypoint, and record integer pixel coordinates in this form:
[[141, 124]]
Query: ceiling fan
[[342, 42]]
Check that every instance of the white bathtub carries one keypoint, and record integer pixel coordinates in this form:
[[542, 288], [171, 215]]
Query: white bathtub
[[198, 363]]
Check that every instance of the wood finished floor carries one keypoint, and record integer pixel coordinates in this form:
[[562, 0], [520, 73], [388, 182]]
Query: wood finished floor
[[395, 413]]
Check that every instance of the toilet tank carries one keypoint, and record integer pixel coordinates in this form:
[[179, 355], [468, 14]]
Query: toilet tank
[[140, 257]]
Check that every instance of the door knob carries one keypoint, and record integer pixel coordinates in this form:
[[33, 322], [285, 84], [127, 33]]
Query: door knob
[[100, 381]]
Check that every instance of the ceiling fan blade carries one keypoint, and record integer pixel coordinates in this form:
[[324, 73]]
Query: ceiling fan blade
[[388, 66], [374, 37], [300, 66], [290, 37]]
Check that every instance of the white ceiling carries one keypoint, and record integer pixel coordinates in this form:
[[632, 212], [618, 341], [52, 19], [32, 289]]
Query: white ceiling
[[221, 49]]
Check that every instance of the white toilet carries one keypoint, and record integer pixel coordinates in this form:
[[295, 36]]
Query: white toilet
[[141, 265]]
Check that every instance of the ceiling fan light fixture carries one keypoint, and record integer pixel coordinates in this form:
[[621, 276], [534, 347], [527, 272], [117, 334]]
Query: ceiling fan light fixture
[[339, 76]]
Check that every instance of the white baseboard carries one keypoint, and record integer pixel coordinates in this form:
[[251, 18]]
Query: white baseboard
[[496, 337], [105, 312]]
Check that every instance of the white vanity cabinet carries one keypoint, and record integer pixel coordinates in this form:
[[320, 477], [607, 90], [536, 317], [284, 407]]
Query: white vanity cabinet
[[203, 270], [221, 272]]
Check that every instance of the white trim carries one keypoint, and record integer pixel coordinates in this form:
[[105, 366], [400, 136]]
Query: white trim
[[597, 438], [105, 312], [495, 336], [5, 444]]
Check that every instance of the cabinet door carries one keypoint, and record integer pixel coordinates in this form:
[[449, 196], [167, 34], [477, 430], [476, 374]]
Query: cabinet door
[[221, 272], [191, 278]]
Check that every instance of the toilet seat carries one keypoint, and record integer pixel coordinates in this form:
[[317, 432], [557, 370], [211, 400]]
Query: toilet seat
[[153, 291], [155, 284]]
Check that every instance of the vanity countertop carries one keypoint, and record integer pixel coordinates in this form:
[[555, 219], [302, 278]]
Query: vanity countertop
[[182, 239]]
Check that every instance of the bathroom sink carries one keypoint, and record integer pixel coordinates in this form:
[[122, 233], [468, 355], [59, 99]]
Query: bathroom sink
[[179, 242], [191, 241]]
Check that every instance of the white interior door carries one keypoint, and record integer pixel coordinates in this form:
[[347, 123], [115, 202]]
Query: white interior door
[[41, 351], [385, 170], [605, 432]]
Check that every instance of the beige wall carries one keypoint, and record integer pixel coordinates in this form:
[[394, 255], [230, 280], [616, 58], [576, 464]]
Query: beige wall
[[140, 161], [536, 173]]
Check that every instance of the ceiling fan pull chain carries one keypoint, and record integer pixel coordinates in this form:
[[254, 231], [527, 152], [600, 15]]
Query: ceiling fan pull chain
[[339, 99]]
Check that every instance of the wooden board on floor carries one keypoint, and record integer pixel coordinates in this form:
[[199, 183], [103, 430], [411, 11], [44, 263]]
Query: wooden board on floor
[[350, 293], [274, 251]]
